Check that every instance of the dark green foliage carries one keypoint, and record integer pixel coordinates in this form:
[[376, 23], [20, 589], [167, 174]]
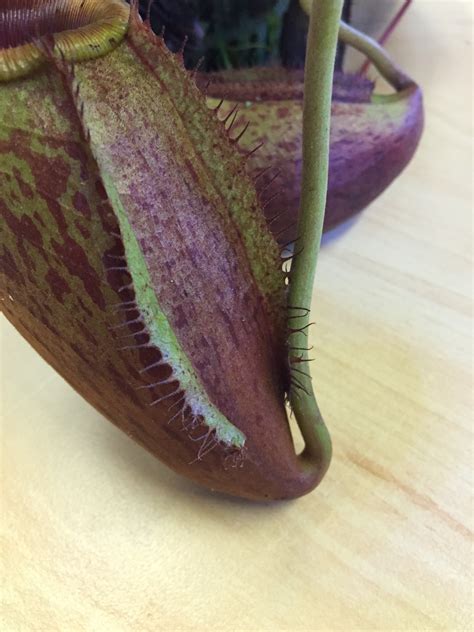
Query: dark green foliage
[[235, 33], [228, 34]]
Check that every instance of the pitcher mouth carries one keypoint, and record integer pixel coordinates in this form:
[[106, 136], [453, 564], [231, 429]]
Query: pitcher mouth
[[81, 30]]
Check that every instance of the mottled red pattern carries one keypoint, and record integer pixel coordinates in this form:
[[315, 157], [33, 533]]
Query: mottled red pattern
[[370, 143], [58, 284], [70, 304]]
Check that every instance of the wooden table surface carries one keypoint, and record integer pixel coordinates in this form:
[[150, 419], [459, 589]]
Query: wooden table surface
[[99, 536]]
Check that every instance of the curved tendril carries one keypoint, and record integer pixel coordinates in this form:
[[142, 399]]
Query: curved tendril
[[377, 55], [373, 50], [319, 71], [394, 22], [324, 30]]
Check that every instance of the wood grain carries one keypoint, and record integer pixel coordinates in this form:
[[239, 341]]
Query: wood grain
[[98, 536]]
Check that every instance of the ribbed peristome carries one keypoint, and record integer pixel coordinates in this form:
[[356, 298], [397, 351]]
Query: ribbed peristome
[[78, 30]]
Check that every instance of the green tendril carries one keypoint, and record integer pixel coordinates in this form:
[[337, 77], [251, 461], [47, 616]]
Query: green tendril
[[319, 71]]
